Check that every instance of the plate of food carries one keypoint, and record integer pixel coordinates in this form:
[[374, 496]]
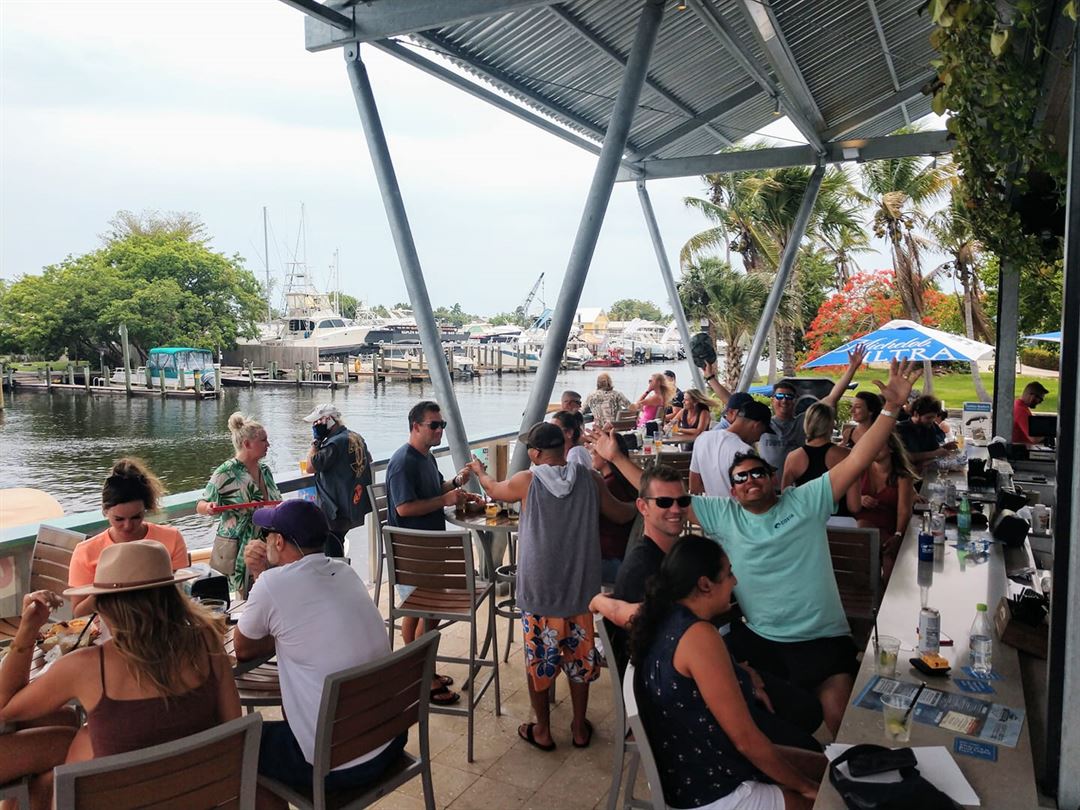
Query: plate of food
[[67, 635]]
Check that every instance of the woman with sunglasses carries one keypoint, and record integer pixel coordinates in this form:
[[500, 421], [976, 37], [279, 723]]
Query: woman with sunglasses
[[694, 700], [655, 399], [244, 478]]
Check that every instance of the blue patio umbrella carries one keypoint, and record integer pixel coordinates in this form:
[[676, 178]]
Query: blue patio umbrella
[[907, 340], [1049, 337]]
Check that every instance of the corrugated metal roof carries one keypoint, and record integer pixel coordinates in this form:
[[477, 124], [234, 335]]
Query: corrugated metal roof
[[558, 60]]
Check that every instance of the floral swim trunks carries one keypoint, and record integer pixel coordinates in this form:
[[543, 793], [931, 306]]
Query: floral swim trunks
[[553, 642]]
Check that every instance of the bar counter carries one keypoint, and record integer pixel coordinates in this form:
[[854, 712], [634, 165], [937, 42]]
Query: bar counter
[[956, 583]]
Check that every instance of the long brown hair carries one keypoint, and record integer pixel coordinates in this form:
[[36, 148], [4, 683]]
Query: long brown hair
[[901, 461], [158, 631]]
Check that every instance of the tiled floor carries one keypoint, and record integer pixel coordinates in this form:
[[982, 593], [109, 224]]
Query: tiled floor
[[507, 773]]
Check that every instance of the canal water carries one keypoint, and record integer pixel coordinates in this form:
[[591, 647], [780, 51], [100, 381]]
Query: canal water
[[65, 443]]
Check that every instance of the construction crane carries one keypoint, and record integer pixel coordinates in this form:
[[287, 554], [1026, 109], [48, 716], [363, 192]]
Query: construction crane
[[523, 310]]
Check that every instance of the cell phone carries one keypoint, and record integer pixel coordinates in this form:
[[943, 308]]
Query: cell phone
[[881, 761]]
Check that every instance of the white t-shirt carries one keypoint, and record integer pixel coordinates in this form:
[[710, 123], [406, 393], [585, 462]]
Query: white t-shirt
[[323, 621], [714, 450]]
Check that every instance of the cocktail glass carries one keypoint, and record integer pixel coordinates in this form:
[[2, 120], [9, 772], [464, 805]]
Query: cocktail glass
[[897, 718], [886, 650]]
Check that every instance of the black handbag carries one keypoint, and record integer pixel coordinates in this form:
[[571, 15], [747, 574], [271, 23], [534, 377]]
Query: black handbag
[[910, 792]]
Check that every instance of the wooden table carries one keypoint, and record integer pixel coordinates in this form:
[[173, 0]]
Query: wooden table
[[956, 585]]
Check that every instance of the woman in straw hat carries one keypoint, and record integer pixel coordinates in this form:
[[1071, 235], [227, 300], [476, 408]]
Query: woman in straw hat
[[161, 676]]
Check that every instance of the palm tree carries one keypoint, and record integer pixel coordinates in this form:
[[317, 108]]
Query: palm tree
[[732, 303]]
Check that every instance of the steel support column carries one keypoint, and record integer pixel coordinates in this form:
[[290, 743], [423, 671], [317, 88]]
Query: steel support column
[[669, 281], [406, 250], [783, 273], [592, 218], [1063, 664], [1008, 314]]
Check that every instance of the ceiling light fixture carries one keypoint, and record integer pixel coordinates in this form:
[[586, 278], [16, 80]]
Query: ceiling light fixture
[[680, 6]]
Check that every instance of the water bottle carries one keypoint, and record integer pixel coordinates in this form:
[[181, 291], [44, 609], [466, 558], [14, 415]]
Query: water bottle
[[981, 642], [963, 520]]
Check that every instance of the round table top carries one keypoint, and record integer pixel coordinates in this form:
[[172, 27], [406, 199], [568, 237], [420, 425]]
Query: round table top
[[480, 523]]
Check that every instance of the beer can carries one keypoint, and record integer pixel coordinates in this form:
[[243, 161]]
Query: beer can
[[926, 547], [929, 631]]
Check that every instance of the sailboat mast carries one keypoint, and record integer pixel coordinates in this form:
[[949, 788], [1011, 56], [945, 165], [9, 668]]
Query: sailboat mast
[[266, 256]]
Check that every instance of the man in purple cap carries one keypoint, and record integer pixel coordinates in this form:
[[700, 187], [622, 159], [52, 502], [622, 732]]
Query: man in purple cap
[[315, 614]]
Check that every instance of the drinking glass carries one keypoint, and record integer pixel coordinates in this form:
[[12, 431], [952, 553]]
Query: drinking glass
[[886, 651], [897, 718], [491, 511]]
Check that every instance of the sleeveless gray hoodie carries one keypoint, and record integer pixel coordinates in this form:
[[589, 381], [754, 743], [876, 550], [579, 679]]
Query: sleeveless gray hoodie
[[559, 542]]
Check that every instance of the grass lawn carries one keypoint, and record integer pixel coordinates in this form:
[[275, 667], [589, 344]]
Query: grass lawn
[[953, 389]]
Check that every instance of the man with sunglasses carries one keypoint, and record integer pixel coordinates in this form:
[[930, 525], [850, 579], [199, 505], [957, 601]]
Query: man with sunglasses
[[714, 450], [1034, 394], [795, 625], [415, 496]]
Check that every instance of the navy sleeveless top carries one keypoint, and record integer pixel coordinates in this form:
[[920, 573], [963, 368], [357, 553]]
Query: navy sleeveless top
[[697, 761]]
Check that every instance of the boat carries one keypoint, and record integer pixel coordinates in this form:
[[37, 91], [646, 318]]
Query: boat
[[399, 358], [179, 366], [643, 340], [613, 359]]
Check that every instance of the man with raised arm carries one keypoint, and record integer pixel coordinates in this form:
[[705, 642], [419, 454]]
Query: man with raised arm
[[558, 571], [795, 625]]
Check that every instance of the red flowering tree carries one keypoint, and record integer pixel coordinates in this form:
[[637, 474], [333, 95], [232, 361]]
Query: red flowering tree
[[866, 302]]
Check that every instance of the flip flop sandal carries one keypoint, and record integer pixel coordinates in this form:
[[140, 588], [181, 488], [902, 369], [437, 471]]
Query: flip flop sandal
[[444, 697], [528, 737], [588, 736]]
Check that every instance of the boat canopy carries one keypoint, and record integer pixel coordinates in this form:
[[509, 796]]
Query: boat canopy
[[180, 358]]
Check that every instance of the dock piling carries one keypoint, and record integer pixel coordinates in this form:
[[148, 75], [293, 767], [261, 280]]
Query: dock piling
[[86, 377]]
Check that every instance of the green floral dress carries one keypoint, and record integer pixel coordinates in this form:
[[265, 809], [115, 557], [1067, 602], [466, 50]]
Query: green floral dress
[[232, 483]]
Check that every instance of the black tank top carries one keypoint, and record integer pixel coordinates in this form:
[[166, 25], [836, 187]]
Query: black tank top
[[816, 468]]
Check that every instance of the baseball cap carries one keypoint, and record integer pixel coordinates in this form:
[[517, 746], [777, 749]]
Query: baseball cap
[[298, 520], [738, 399], [543, 436], [322, 412], [756, 412]]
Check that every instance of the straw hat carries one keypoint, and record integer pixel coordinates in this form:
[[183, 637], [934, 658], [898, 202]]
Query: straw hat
[[132, 566]]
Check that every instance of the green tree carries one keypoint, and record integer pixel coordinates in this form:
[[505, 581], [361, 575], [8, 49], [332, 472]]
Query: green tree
[[454, 316], [349, 304], [628, 309], [166, 284], [509, 319]]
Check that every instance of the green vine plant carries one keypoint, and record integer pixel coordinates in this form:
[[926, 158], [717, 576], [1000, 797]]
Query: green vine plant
[[988, 82]]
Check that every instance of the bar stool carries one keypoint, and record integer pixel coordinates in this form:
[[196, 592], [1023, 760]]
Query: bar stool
[[507, 608]]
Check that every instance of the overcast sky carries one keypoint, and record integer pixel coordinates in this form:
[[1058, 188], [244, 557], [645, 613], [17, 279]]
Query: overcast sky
[[214, 107]]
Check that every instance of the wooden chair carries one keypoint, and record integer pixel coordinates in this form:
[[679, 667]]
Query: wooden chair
[[644, 752], [439, 565], [379, 510], [48, 571], [856, 561], [361, 709], [214, 768], [623, 745]]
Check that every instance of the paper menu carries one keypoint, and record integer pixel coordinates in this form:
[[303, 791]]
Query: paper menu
[[936, 766]]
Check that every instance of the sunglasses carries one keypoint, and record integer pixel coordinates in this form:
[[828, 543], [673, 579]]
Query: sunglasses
[[435, 424], [742, 477], [665, 501], [782, 395]]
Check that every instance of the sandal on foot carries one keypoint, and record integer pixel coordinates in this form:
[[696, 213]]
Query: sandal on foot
[[588, 736], [526, 733], [444, 697]]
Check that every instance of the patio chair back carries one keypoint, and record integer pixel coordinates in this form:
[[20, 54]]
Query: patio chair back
[[856, 562], [437, 561], [644, 750], [214, 768]]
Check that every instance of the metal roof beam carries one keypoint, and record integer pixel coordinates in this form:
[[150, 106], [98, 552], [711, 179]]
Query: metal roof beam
[[699, 120], [729, 39], [890, 102], [374, 21], [885, 53], [935, 142], [515, 87], [408, 56], [767, 31], [597, 42]]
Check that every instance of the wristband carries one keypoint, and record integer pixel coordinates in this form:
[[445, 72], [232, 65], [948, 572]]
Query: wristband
[[455, 481], [710, 378], [885, 412]]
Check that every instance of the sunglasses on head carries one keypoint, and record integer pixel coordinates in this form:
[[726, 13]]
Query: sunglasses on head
[[665, 501], [781, 395], [435, 424], [742, 477]]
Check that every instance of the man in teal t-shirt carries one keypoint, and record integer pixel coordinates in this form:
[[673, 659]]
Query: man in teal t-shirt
[[795, 626]]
